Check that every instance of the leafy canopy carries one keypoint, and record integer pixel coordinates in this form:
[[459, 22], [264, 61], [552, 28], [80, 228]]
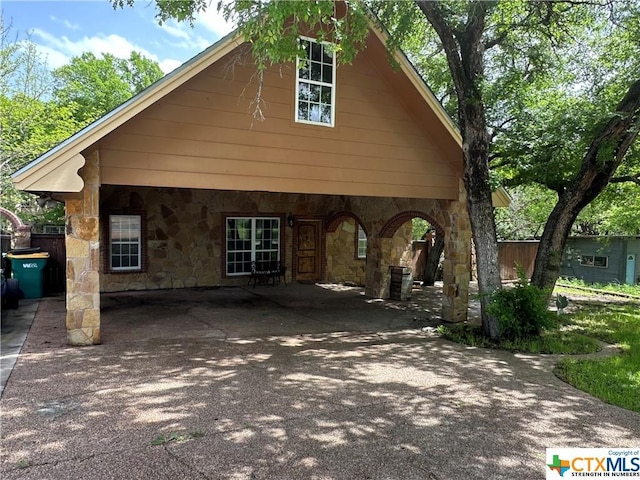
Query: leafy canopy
[[39, 108]]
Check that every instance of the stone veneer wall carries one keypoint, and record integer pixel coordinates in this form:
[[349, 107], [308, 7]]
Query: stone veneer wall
[[185, 237], [342, 264], [398, 253]]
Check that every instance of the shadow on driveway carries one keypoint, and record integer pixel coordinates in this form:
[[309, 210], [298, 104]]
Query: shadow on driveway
[[243, 384]]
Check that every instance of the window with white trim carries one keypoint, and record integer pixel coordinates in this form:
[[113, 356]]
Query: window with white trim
[[251, 239], [362, 242], [594, 261], [125, 232], [315, 84]]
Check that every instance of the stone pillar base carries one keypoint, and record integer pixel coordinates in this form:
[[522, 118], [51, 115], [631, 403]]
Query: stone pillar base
[[81, 337]]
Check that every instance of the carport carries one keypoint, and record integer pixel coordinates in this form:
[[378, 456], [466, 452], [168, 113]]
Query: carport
[[229, 313]]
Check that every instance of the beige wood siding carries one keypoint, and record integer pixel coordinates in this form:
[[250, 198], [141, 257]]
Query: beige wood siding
[[203, 135]]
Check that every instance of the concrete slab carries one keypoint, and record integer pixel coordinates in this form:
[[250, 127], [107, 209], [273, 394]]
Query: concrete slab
[[310, 398], [15, 327]]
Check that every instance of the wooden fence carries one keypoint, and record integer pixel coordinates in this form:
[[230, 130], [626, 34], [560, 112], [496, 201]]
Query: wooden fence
[[520, 252], [55, 271]]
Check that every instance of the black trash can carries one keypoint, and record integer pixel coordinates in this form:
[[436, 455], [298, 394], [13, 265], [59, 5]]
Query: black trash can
[[401, 283]]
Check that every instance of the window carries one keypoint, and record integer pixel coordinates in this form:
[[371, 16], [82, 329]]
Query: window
[[251, 239], [362, 242], [315, 84], [53, 229], [125, 242], [594, 261]]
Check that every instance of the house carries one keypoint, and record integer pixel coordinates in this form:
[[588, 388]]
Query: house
[[180, 187], [602, 259]]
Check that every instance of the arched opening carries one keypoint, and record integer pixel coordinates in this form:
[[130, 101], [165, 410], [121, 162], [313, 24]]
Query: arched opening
[[18, 235], [407, 240]]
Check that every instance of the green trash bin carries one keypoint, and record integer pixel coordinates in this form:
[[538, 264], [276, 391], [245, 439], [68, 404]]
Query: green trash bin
[[29, 270]]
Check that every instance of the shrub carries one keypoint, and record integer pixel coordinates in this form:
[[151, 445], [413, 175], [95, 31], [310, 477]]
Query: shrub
[[522, 310]]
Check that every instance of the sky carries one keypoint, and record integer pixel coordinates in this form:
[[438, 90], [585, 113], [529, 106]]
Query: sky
[[65, 29]]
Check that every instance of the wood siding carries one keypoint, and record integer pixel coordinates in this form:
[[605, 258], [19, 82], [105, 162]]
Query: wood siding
[[614, 248], [386, 140]]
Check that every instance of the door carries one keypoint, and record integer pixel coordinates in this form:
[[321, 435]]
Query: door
[[631, 269], [307, 238]]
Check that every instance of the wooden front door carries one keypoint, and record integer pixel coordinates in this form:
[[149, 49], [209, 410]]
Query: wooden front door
[[308, 238]]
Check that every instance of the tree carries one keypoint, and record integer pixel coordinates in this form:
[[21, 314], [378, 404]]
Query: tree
[[571, 132], [527, 213], [39, 109], [30, 123], [515, 37], [97, 85]]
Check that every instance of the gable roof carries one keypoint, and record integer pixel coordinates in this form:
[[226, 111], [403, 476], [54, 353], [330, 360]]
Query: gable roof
[[57, 169]]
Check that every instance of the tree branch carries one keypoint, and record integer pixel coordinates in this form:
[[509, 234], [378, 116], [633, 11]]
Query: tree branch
[[627, 178], [432, 11]]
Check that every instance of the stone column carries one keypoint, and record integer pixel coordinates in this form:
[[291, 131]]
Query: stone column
[[457, 262], [375, 278], [21, 237], [83, 258]]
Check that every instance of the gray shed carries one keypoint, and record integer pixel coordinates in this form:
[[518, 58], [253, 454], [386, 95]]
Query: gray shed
[[602, 259]]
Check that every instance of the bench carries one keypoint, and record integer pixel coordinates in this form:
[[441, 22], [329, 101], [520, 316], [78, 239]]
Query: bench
[[267, 272]]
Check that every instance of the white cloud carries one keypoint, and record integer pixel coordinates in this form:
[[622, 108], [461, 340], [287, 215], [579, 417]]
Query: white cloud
[[186, 37], [58, 47], [65, 22], [213, 21], [169, 65], [175, 30]]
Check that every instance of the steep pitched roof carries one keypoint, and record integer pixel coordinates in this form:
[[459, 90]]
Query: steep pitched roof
[[57, 169]]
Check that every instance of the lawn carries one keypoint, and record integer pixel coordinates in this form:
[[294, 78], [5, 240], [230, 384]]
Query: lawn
[[615, 379]]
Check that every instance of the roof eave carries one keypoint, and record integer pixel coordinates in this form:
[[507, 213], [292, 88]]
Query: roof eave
[[38, 175]]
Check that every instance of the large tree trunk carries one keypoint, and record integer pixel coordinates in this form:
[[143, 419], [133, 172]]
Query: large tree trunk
[[483, 226], [433, 260], [465, 52], [605, 154]]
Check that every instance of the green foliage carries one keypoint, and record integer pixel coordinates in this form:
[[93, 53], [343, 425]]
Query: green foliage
[[30, 122], [274, 27], [527, 213], [98, 85], [182, 11], [38, 110], [522, 310], [419, 227], [614, 379]]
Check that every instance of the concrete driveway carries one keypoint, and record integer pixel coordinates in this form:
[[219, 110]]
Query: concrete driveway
[[284, 383]]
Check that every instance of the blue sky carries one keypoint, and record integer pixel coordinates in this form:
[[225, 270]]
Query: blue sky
[[64, 29]]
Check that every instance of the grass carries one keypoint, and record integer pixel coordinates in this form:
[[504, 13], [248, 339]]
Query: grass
[[552, 341], [610, 287], [615, 379]]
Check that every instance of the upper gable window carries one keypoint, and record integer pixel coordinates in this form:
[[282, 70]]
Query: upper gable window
[[315, 84]]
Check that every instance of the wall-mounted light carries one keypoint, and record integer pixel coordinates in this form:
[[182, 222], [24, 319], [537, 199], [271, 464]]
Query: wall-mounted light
[[45, 201], [291, 220]]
